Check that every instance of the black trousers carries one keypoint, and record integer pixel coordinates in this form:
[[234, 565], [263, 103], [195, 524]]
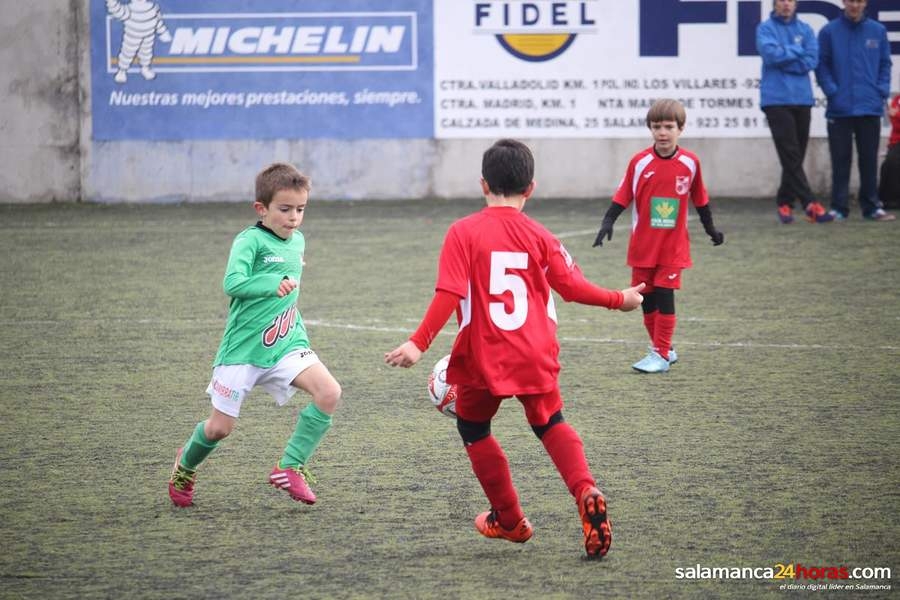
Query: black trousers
[[866, 132], [889, 187], [790, 132]]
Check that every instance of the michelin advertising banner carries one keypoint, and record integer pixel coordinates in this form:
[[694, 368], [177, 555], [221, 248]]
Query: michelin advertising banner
[[261, 69], [297, 69]]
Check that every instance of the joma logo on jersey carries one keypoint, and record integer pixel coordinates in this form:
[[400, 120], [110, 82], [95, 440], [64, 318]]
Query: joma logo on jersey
[[345, 41], [535, 31], [273, 259]]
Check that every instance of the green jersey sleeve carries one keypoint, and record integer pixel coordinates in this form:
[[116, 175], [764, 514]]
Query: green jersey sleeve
[[240, 280]]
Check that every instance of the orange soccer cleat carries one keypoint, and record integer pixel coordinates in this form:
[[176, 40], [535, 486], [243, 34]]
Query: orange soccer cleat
[[488, 525], [597, 528]]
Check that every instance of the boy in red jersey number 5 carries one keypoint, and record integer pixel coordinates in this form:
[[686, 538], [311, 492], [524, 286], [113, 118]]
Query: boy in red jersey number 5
[[496, 270], [660, 181]]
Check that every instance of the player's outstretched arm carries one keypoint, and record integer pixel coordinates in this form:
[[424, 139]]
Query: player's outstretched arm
[[717, 237], [632, 297], [606, 228], [405, 355]]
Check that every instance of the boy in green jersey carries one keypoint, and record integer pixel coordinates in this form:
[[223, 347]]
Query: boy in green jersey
[[265, 342]]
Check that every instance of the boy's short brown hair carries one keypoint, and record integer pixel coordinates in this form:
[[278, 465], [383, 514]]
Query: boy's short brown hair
[[507, 167], [276, 177], [667, 109]]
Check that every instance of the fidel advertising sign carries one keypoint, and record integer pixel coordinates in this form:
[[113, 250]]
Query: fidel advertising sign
[[592, 68]]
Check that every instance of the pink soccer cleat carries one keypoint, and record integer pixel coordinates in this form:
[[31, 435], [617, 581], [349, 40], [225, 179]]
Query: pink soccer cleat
[[181, 485], [293, 481]]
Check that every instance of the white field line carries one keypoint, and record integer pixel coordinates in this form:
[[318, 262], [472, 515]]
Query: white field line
[[218, 323]]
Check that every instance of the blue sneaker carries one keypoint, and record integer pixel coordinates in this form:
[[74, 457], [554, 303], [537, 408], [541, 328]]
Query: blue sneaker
[[652, 363], [837, 216]]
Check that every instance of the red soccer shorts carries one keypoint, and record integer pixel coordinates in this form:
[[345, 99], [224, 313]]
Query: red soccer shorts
[[473, 404], [664, 277]]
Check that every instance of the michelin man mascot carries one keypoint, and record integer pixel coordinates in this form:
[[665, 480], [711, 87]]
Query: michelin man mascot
[[143, 23]]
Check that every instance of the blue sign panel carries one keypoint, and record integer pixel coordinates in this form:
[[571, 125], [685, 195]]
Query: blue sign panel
[[261, 69]]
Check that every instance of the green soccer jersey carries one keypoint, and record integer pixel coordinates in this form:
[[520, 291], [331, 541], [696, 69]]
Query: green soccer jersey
[[262, 327]]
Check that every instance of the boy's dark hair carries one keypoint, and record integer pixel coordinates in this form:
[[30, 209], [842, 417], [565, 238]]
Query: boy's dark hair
[[507, 167], [277, 177], [667, 109]]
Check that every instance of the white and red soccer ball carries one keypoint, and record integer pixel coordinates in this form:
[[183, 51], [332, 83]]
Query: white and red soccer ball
[[442, 394]]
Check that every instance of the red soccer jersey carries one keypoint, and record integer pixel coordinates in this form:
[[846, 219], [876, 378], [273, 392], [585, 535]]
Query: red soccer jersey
[[895, 121], [502, 264], [660, 189]]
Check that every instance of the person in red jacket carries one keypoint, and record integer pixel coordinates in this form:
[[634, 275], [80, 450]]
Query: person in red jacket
[[659, 184], [496, 270], [889, 186]]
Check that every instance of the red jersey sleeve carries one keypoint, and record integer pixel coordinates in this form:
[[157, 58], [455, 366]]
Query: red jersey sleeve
[[625, 192], [699, 195], [442, 306], [453, 265], [569, 282]]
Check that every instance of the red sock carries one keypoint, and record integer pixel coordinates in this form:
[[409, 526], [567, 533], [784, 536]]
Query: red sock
[[567, 452], [650, 324], [492, 470], [665, 328]]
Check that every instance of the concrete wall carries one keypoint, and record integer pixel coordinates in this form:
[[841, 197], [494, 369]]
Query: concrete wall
[[39, 95], [46, 152]]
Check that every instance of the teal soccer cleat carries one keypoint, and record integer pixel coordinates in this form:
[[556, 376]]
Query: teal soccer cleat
[[652, 363]]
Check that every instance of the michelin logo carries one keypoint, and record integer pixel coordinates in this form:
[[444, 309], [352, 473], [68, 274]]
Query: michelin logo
[[142, 24], [241, 42]]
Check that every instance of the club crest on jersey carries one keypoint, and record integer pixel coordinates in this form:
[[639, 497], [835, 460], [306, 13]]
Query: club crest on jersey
[[535, 31], [663, 212], [682, 184]]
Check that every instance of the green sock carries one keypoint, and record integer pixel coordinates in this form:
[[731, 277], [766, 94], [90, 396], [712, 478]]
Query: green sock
[[196, 448], [311, 428]]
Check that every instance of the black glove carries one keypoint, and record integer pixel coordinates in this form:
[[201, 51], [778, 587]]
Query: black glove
[[717, 237], [605, 231], [612, 213]]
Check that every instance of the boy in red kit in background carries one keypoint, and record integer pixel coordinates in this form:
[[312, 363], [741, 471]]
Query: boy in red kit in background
[[496, 270], [660, 181], [889, 187]]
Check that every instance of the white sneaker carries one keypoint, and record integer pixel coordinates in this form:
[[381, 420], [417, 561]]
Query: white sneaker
[[880, 215], [652, 363]]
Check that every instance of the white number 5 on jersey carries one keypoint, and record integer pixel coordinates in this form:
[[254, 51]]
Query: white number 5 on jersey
[[502, 282]]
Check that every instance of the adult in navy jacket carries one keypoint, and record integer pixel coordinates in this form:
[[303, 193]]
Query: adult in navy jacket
[[789, 52], [855, 73]]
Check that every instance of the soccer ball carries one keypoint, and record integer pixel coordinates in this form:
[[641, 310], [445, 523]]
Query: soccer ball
[[442, 394]]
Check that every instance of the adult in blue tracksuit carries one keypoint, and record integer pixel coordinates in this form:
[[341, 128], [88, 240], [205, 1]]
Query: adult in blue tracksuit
[[855, 73], [789, 52]]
